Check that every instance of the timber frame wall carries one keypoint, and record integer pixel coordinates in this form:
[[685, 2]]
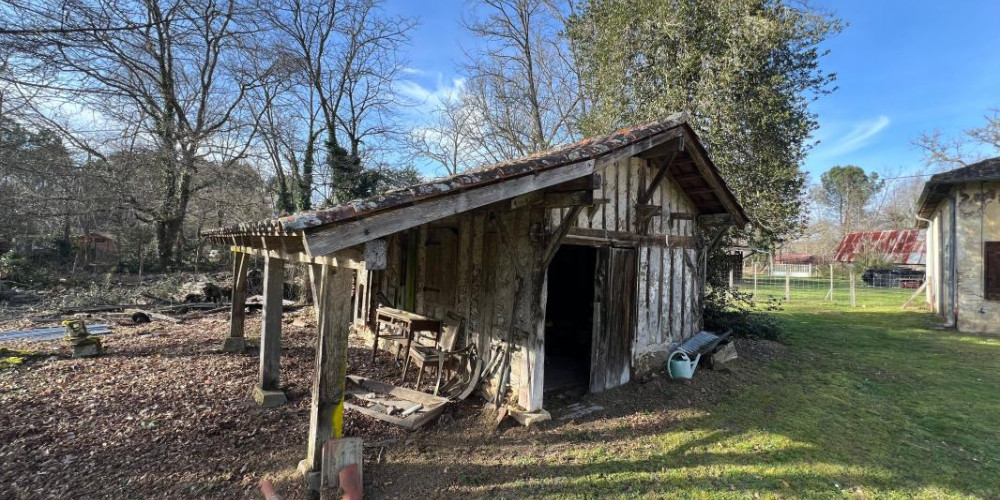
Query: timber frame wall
[[486, 267]]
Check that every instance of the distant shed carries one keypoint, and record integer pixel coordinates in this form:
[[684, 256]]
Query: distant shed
[[903, 247], [795, 258]]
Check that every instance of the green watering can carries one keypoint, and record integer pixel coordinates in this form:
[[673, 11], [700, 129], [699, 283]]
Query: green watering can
[[683, 367]]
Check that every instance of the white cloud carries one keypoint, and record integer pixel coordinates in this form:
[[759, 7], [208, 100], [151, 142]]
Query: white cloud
[[430, 96], [858, 137]]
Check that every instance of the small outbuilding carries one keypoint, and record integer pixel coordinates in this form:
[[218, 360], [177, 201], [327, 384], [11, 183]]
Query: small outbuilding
[[96, 248], [584, 263], [961, 212]]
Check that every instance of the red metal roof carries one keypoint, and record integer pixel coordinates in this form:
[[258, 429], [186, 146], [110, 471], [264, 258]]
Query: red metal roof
[[901, 246]]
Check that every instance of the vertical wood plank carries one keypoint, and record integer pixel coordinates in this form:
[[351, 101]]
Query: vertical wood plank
[[692, 291], [664, 285], [640, 185], [644, 336], [617, 198], [685, 277], [629, 166], [421, 271], [598, 347], [610, 194], [464, 262], [475, 317]]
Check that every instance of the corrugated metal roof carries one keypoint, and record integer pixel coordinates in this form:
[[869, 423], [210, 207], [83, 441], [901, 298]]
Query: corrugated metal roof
[[586, 149], [901, 246]]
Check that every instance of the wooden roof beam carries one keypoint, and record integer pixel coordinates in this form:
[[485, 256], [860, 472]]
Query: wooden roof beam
[[654, 184], [328, 239]]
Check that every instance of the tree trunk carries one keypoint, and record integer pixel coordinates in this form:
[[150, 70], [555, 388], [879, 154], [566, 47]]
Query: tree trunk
[[173, 212]]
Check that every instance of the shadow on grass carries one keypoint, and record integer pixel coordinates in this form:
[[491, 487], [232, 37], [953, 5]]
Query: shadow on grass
[[868, 403]]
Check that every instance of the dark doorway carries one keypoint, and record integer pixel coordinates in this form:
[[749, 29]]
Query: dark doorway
[[569, 319]]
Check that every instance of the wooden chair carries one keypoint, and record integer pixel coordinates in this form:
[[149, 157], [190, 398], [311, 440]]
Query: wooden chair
[[392, 333], [439, 352]]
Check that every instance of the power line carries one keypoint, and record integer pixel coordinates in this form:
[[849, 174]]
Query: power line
[[904, 177], [72, 30]]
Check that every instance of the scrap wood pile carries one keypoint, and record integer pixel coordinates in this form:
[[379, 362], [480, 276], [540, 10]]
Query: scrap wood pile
[[413, 408]]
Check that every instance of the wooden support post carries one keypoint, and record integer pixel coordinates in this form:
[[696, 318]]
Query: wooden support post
[[854, 296], [788, 286], [267, 393], [237, 317], [755, 279], [326, 411]]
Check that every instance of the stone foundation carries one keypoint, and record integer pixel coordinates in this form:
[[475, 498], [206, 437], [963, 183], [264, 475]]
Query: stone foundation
[[268, 398]]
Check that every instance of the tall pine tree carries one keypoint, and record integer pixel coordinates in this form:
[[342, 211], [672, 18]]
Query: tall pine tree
[[745, 70]]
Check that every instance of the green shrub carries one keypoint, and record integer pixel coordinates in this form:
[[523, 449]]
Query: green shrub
[[870, 259], [14, 266], [738, 311]]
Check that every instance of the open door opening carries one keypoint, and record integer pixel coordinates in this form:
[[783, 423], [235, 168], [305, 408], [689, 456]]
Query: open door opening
[[569, 319]]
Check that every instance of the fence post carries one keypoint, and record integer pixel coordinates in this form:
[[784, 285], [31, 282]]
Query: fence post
[[788, 286], [755, 279], [731, 278], [854, 296], [829, 295]]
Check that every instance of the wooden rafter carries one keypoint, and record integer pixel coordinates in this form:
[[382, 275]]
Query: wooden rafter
[[556, 238], [661, 173], [348, 258]]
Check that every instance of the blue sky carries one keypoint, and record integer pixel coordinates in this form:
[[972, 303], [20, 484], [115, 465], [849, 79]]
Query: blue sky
[[904, 68]]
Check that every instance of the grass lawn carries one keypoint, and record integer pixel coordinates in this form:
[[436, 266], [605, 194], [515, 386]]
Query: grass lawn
[[867, 403]]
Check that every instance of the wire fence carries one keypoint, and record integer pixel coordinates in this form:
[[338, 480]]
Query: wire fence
[[831, 284]]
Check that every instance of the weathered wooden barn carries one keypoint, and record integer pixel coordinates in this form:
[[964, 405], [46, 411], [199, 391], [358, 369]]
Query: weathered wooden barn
[[586, 262]]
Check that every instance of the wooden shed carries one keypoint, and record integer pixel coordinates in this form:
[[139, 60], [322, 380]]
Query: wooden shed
[[586, 262]]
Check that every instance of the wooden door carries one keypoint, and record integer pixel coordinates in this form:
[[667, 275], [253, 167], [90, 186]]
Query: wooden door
[[614, 318]]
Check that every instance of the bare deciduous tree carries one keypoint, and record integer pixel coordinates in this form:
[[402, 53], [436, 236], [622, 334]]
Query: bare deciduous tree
[[448, 140], [170, 80], [944, 153], [347, 55], [522, 85]]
